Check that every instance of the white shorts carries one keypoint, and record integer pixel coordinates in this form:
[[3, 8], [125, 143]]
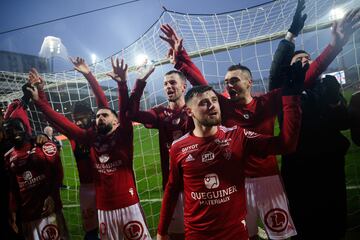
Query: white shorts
[[51, 227], [265, 197], [177, 220], [124, 223], [88, 207]]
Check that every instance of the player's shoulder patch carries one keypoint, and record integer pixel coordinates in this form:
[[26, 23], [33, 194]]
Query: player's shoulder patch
[[228, 129], [49, 149], [180, 139], [250, 134]]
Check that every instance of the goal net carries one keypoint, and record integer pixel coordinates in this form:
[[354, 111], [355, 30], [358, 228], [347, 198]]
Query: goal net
[[214, 41]]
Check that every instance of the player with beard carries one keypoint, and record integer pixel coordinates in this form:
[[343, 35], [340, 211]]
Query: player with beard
[[256, 114], [171, 120], [111, 143], [34, 180], [208, 164], [82, 116]]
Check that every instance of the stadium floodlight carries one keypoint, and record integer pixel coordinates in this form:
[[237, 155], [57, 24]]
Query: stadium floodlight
[[53, 47], [336, 13], [93, 58], [141, 60]]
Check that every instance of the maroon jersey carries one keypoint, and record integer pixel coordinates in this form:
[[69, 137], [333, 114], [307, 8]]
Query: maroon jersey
[[210, 170], [34, 173], [259, 115], [82, 151], [112, 155], [171, 123], [83, 162]]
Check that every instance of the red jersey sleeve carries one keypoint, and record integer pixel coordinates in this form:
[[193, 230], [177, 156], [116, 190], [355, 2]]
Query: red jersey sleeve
[[319, 65], [189, 69], [287, 140], [171, 193], [125, 122], [145, 117], [65, 126], [100, 97]]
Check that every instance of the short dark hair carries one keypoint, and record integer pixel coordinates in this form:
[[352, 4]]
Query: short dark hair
[[81, 108], [298, 52], [110, 109], [181, 75], [197, 90], [240, 67]]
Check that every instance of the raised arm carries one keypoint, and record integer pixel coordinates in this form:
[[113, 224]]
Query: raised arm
[[180, 58], [66, 127], [286, 47], [287, 140], [83, 68], [172, 190], [341, 32], [145, 117]]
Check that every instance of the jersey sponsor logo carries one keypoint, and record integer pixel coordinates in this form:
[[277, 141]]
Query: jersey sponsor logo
[[207, 156], [189, 158], [223, 142], [214, 197], [108, 168], [191, 148], [27, 175], [49, 149], [276, 219], [104, 158], [50, 232], [211, 181], [134, 230], [250, 134]]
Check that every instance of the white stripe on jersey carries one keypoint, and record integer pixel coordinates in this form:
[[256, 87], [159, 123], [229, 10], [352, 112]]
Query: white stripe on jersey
[[227, 129], [181, 138]]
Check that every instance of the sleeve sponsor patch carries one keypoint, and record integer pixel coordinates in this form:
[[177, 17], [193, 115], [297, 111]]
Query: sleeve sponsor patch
[[49, 149], [250, 134]]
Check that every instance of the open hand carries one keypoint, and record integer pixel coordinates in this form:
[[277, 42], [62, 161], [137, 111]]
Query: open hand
[[342, 30], [119, 72], [80, 65]]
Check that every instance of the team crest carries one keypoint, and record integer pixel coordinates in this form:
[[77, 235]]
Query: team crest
[[27, 175], [50, 232], [49, 149], [276, 219], [134, 230], [211, 181], [104, 158]]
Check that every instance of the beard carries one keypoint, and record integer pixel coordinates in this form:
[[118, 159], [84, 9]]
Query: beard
[[210, 122], [103, 129]]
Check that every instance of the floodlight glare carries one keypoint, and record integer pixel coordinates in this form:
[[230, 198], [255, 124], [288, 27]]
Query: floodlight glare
[[141, 59], [93, 58], [336, 13]]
